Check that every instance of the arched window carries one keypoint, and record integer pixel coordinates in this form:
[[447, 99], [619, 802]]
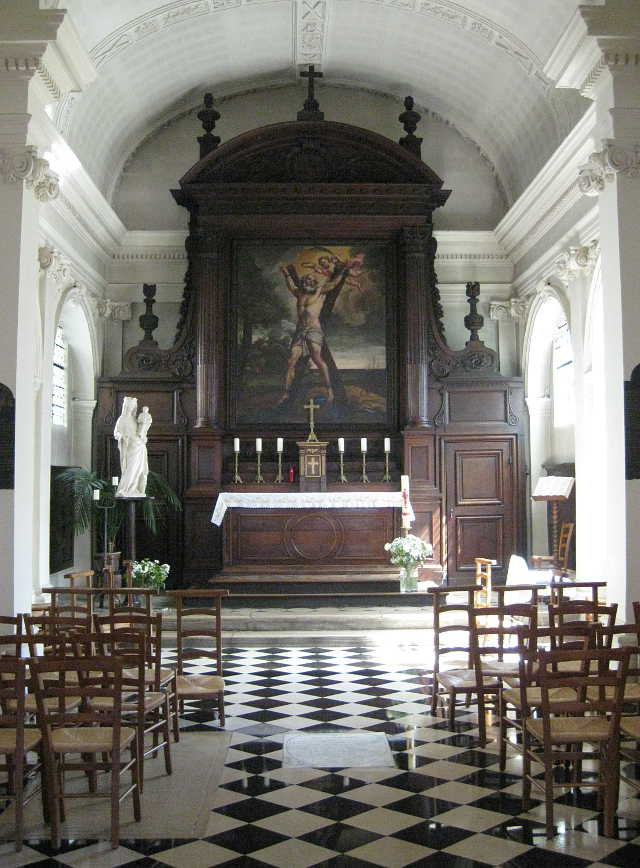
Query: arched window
[[562, 373], [60, 380]]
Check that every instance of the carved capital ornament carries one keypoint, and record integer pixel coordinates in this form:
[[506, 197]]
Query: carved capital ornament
[[604, 165], [24, 164]]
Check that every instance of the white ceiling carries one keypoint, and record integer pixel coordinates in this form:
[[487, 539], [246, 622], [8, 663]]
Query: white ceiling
[[478, 63]]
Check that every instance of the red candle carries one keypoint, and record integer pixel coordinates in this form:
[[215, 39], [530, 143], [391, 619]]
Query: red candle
[[292, 474]]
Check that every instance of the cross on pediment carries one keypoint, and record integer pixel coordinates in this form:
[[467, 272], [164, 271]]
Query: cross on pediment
[[311, 108], [311, 407]]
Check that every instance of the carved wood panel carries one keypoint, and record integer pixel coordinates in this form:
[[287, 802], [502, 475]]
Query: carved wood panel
[[480, 503], [332, 536]]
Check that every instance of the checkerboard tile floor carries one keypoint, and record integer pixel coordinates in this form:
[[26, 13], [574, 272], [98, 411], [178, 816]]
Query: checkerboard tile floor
[[444, 804]]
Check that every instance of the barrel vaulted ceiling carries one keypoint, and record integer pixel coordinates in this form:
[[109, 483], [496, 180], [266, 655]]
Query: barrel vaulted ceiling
[[479, 64]]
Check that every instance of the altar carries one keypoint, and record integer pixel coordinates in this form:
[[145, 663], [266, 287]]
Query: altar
[[331, 529]]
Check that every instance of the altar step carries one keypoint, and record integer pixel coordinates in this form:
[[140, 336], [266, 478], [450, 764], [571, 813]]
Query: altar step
[[312, 589]]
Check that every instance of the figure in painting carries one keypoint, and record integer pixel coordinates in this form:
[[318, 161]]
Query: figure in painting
[[315, 295], [130, 433]]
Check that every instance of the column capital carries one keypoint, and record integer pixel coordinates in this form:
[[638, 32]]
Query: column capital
[[576, 261], [118, 311], [615, 158], [22, 163], [509, 309], [59, 269]]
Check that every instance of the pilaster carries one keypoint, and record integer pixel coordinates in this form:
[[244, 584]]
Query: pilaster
[[509, 314], [612, 174]]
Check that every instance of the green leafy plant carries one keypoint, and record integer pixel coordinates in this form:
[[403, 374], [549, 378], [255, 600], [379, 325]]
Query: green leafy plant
[[109, 512], [149, 574]]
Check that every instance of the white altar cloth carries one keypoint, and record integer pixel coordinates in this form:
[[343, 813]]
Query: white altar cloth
[[306, 500]]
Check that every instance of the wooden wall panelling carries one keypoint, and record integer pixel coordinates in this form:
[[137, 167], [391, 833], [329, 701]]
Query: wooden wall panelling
[[420, 458], [202, 542]]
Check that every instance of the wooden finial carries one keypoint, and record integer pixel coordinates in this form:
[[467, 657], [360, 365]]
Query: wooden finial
[[409, 120], [311, 109], [473, 320], [148, 320], [208, 115]]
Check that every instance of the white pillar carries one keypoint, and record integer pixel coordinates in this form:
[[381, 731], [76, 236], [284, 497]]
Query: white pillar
[[508, 314], [613, 175], [540, 444]]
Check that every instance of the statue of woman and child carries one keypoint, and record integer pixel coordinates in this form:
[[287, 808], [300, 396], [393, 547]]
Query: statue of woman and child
[[131, 434]]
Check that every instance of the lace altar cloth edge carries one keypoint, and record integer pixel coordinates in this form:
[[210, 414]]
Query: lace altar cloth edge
[[307, 500]]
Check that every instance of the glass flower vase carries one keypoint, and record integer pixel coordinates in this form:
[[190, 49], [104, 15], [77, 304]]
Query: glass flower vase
[[409, 579]]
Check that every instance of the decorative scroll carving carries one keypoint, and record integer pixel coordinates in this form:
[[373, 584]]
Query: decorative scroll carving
[[474, 358], [147, 358], [59, 269], [512, 308], [575, 261], [119, 311], [24, 164], [604, 165]]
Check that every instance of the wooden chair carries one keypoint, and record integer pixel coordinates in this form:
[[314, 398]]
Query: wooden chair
[[157, 677], [497, 639], [200, 622], [558, 561], [572, 611], [148, 710], [76, 604], [16, 740], [484, 580], [95, 739], [453, 673], [574, 637], [592, 717]]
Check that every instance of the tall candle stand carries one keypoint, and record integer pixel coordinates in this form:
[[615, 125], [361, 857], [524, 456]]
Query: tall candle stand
[[386, 477], [342, 477], [364, 478], [259, 476], [279, 473], [237, 479]]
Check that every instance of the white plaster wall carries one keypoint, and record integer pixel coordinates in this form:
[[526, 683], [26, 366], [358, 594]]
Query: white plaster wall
[[142, 199]]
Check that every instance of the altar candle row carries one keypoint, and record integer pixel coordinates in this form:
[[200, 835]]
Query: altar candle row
[[280, 444]]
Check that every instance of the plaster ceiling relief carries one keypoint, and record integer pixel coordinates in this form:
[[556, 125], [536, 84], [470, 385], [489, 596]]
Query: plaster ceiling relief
[[478, 64]]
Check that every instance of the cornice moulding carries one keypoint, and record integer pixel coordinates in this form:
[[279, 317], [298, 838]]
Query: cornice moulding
[[573, 59], [550, 195]]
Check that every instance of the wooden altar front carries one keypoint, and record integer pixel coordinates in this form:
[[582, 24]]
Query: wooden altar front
[[455, 424]]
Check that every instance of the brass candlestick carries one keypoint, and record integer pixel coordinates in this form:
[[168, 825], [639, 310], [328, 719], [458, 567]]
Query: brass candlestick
[[236, 476], [386, 477], [259, 476], [279, 473], [364, 478], [342, 477]]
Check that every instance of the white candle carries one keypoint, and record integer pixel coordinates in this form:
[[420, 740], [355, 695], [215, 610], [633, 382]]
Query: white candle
[[236, 444], [406, 523], [258, 444], [96, 494], [404, 483], [340, 444], [279, 444], [363, 444], [387, 444], [114, 481]]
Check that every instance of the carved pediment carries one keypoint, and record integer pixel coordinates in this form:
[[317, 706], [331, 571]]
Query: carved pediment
[[311, 152]]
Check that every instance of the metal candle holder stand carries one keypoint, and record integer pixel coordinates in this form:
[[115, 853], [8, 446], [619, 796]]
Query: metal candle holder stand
[[259, 476], [386, 477], [279, 473], [342, 477], [364, 477], [105, 507], [237, 479]]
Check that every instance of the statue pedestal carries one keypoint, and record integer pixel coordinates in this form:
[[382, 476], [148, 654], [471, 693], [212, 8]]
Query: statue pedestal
[[313, 465], [131, 523]]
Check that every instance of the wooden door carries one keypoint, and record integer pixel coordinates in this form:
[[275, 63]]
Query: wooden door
[[480, 504]]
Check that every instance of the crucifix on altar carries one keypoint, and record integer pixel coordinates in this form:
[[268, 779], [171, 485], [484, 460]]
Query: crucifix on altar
[[312, 456]]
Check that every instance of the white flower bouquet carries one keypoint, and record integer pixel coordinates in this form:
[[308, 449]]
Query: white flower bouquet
[[409, 551], [150, 574]]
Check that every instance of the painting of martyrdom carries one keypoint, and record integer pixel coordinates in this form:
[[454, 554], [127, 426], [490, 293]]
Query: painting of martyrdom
[[311, 323]]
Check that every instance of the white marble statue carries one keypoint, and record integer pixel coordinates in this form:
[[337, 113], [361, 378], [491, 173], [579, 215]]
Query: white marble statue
[[131, 434]]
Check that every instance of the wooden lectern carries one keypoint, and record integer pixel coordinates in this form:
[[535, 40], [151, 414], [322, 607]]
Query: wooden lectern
[[553, 489], [313, 465]]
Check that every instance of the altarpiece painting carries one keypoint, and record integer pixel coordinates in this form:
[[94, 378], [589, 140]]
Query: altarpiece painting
[[312, 321]]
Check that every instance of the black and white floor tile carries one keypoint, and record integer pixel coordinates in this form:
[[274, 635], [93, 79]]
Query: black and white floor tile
[[444, 804]]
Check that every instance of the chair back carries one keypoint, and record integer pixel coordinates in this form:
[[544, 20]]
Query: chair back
[[564, 545], [150, 626], [199, 622], [11, 635], [452, 627], [498, 636], [484, 580], [50, 635], [75, 604], [576, 611], [13, 682]]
